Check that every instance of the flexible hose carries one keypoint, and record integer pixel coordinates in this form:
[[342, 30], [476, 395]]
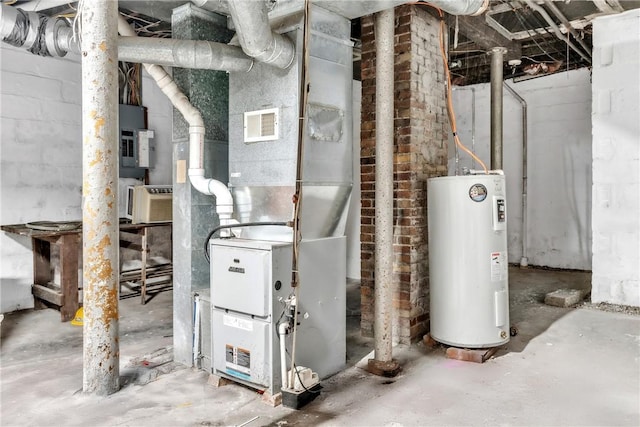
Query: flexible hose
[[246, 224]]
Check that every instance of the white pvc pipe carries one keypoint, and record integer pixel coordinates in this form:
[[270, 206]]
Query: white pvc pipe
[[384, 30], [208, 186], [282, 331], [196, 331]]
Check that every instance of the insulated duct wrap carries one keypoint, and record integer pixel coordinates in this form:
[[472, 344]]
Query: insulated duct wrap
[[32, 31]]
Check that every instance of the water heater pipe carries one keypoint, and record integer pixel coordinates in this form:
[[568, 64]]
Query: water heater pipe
[[524, 262], [199, 54], [384, 42], [255, 35], [208, 186], [497, 54]]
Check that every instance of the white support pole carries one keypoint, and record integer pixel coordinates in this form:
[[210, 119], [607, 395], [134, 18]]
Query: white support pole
[[384, 29], [100, 248]]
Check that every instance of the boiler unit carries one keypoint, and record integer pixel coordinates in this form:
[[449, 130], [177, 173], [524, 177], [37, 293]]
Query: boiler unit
[[468, 268]]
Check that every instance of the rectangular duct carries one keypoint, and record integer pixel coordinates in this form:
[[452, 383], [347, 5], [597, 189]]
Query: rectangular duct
[[262, 168]]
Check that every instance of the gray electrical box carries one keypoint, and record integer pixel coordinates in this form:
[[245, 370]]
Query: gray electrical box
[[135, 142]]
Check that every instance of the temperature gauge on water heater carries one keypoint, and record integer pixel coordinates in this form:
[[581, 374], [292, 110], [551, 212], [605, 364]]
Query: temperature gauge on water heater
[[499, 213]]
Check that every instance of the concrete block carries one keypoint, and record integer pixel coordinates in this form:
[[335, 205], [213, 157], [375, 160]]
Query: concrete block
[[18, 107], [565, 297], [34, 87], [61, 112]]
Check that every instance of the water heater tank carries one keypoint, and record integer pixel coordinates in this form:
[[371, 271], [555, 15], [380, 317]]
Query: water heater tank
[[468, 268]]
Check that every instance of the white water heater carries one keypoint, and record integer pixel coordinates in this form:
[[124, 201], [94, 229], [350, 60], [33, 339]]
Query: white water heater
[[468, 267]]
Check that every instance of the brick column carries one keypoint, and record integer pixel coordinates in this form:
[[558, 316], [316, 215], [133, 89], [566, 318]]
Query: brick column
[[420, 153]]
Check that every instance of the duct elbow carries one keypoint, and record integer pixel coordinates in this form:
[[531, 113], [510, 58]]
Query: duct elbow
[[256, 37], [280, 52]]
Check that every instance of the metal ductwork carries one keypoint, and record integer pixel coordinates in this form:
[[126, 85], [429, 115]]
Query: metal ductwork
[[45, 36], [256, 37], [198, 54], [461, 7], [35, 32], [217, 6]]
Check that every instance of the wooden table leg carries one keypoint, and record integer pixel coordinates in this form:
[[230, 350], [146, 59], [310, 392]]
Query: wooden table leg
[[68, 245], [42, 273]]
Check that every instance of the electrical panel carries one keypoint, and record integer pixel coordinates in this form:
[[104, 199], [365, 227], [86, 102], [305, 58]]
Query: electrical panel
[[135, 142]]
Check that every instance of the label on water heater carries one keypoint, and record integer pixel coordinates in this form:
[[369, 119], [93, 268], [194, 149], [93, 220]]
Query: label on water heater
[[499, 267], [478, 192]]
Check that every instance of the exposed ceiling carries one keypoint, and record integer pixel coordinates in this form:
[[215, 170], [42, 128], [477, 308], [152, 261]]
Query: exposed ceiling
[[541, 36]]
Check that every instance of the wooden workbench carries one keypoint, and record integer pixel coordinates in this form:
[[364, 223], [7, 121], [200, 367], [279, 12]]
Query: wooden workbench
[[64, 295]]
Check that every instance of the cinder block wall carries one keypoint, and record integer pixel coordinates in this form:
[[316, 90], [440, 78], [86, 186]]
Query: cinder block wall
[[616, 159], [41, 154], [420, 152], [559, 163]]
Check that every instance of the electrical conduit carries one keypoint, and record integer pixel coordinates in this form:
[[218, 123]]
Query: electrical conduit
[[208, 186]]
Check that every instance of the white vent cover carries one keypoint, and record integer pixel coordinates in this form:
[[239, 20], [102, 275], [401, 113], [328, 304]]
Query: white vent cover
[[261, 125]]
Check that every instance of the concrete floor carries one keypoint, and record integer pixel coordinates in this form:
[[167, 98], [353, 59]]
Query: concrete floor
[[566, 367]]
